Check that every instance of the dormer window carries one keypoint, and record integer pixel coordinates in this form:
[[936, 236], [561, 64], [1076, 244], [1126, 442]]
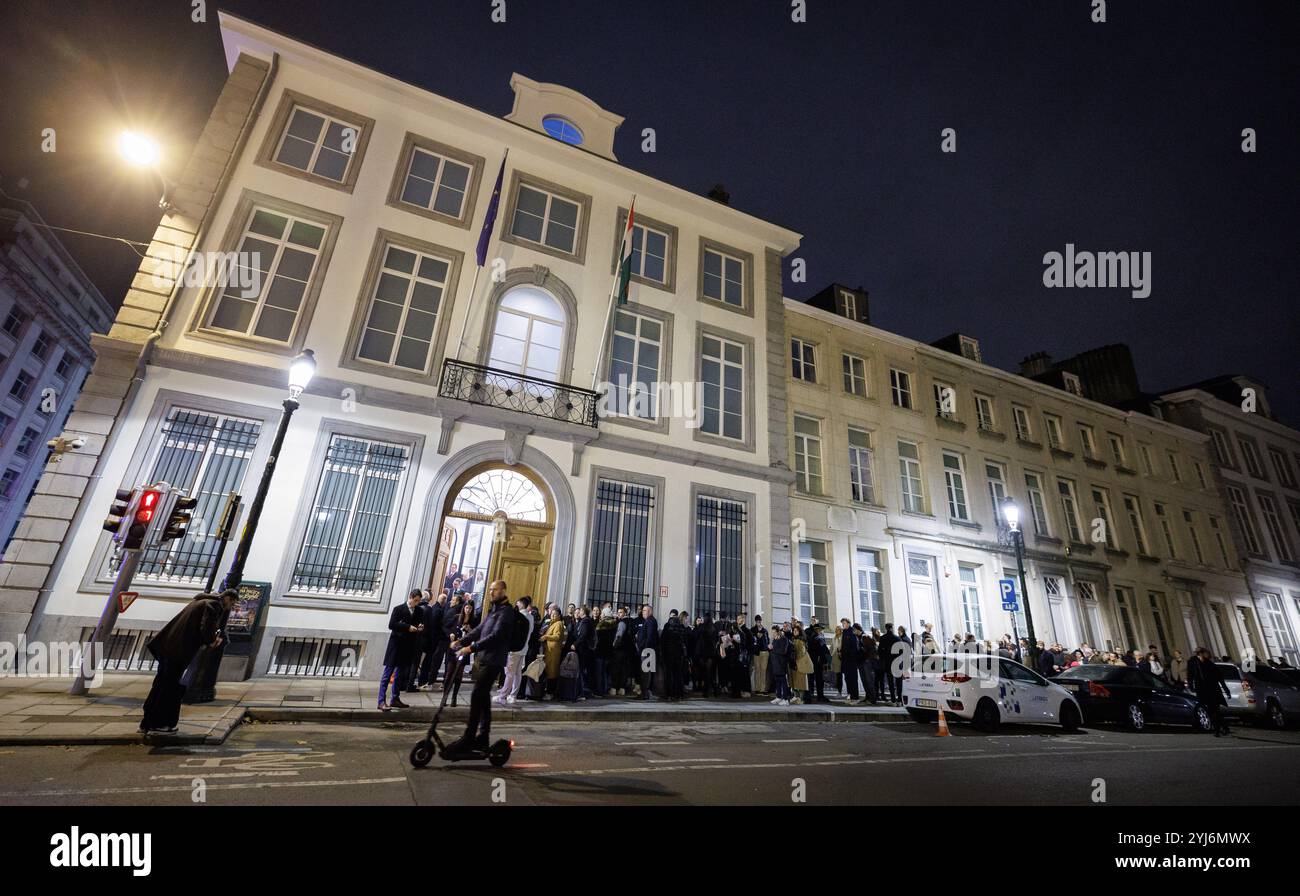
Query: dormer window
[[1072, 384], [562, 129], [848, 305]]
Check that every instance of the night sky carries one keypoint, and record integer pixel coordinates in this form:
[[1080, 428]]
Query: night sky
[[1123, 136]]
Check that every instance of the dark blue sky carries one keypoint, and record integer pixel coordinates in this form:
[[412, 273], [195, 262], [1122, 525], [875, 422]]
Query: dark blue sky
[[1122, 136]]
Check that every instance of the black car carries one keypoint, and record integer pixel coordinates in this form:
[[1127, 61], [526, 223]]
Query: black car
[[1131, 697]]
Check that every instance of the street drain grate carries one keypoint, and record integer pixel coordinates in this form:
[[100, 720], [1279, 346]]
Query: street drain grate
[[300, 698]]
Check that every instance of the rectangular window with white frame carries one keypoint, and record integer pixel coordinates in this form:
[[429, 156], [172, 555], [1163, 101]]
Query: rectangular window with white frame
[[1117, 450], [955, 479], [546, 218], [1070, 509], [808, 454], [911, 489], [814, 590], [1148, 462], [1222, 451], [871, 590], [651, 248], [1166, 530], [1282, 467], [945, 400], [970, 601], [1237, 499], [900, 388], [1101, 501], [1200, 474], [405, 301], [1133, 508], [722, 373], [635, 359], [995, 474], [861, 478], [855, 374], [1038, 505], [1275, 527], [436, 181], [1219, 542], [1250, 457], [1055, 436], [723, 277], [1021, 417], [1087, 442], [847, 304], [984, 413], [1174, 471], [316, 140], [278, 274], [803, 360], [1189, 520]]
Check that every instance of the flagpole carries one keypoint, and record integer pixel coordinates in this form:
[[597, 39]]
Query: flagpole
[[609, 314], [464, 324], [489, 225]]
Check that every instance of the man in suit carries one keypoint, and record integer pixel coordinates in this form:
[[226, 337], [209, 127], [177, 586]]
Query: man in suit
[[1211, 690], [404, 634], [435, 641], [175, 645]]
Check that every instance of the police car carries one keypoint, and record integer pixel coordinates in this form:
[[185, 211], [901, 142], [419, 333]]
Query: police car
[[986, 690]]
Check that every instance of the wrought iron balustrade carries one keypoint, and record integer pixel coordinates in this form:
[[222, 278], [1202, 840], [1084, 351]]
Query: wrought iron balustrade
[[512, 391]]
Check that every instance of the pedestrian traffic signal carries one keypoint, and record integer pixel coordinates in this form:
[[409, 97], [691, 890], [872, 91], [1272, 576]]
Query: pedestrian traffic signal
[[145, 508], [178, 518], [119, 511]]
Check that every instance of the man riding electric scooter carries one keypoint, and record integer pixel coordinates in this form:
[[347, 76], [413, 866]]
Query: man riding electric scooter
[[490, 641]]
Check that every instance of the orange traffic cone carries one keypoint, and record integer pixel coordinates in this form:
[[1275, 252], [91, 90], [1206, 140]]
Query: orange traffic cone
[[943, 725]]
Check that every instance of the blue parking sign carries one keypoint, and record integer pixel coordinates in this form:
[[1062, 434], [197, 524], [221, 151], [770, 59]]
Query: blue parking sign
[[1009, 602]]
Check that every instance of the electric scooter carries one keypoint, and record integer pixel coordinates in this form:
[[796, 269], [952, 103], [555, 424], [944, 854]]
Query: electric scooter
[[498, 753]]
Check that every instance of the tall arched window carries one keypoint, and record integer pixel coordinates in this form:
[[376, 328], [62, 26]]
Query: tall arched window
[[528, 335]]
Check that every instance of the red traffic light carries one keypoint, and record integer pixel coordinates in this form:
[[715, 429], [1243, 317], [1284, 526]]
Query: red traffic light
[[148, 503]]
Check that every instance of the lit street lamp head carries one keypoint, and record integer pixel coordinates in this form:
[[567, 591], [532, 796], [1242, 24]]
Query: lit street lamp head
[[301, 370], [138, 149], [1011, 513]]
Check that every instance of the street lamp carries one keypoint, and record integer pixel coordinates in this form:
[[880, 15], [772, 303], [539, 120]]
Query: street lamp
[[142, 151], [1011, 513], [301, 370]]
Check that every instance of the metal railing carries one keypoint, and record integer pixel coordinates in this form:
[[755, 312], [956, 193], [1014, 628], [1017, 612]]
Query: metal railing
[[512, 391]]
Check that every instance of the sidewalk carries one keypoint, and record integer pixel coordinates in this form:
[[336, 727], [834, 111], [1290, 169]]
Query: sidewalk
[[40, 711]]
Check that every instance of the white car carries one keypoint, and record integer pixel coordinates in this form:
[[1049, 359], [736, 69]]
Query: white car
[[986, 690]]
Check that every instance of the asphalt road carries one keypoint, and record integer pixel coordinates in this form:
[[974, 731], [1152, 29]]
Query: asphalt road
[[687, 764]]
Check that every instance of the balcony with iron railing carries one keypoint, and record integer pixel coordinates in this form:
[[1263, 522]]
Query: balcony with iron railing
[[506, 389]]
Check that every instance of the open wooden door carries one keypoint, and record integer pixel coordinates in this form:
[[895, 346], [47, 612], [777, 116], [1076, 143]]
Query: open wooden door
[[521, 559], [446, 543]]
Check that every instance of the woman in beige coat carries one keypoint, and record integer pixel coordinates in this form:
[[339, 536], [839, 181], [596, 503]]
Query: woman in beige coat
[[801, 666], [553, 646]]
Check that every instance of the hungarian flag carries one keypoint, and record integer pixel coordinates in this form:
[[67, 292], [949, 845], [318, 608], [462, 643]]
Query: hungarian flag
[[624, 274], [485, 236]]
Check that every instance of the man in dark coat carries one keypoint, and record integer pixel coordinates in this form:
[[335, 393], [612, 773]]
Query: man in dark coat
[[672, 641], [780, 656], [584, 643], [647, 638], [1211, 690], [887, 660], [403, 640], [867, 666], [197, 625], [821, 657], [850, 658], [490, 642], [706, 655], [435, 640]]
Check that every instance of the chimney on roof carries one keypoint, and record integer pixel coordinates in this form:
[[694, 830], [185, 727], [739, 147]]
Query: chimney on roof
[[1035, 364], [718, 193]]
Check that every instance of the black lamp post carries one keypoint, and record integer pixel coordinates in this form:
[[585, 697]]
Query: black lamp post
[[301, 369], [1011, 513]]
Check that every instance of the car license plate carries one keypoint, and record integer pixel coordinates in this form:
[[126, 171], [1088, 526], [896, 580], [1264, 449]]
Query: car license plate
[[923, 703]]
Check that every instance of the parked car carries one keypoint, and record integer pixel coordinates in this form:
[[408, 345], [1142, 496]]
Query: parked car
[[986, 690], [1267, 695], [1129, 696]]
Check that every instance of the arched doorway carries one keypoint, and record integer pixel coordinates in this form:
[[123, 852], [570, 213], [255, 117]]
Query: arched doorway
[[498, 522]]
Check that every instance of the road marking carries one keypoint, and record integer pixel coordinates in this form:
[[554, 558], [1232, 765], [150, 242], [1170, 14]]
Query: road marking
[[208, 775], [686, 760], [835, 756], [969, 754], [652, 743], [798, 740], [252, 785]]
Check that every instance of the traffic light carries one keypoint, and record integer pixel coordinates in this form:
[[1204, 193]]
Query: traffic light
[[178, 518], [119, 511], [144, 509]]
